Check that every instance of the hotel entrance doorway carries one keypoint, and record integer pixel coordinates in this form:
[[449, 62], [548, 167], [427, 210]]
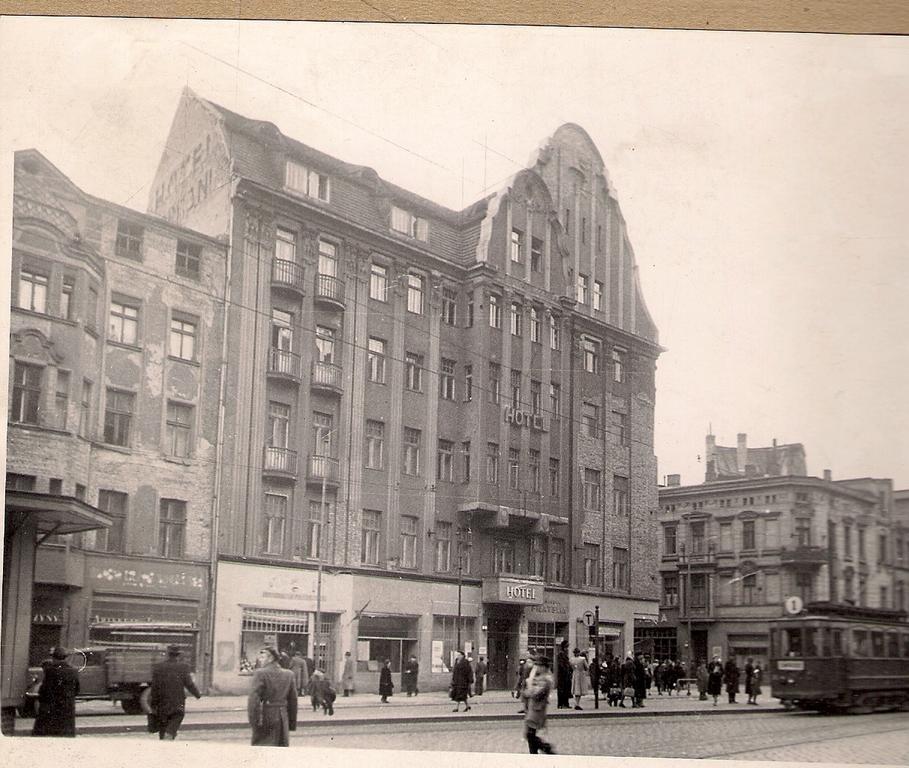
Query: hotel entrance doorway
[[504, 623]]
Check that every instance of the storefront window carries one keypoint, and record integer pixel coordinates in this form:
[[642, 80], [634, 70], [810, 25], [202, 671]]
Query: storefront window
[[445, 631], [542, 635], [385, 637], [287, 631]]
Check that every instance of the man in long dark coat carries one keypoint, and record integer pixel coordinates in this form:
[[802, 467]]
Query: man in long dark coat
[[563, 677], [171, 679], [57, 697], [731, 678], [410, 676], [640, 682], [272, 702]]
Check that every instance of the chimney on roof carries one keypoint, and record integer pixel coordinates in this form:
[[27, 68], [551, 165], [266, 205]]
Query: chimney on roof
[[673, 480], [774, 442], [741, 453], [828, 476]]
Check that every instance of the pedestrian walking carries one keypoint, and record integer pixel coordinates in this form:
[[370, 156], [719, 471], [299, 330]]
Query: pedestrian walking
[[749, 673], [731, 678], [579, 675], [536, 696], [461, 680], [301, 672], [703, 679], [715, 678], [410, 675], [658, 677], [669, 676], [627, 679], [386, 684], [316, 689], [640, 682], [563, 677], [347, 674], [171, 679], [755, 684], [57, 697], [480, 682], [272, 703]]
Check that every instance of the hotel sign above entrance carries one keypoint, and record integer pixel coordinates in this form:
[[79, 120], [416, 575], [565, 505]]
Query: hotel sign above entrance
[[524, 419], [513, 591]]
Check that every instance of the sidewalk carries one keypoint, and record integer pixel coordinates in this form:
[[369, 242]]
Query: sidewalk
[[229, 712]]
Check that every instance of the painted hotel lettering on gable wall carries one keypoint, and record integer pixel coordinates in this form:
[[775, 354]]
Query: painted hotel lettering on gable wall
[[524, 419]]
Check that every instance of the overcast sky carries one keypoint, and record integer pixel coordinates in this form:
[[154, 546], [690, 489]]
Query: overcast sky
[[763, 177]]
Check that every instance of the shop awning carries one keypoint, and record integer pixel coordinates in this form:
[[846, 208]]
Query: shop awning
[[55, 514]]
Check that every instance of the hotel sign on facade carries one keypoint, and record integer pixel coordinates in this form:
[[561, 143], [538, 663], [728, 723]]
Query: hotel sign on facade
[[521, 418], [513, 591]]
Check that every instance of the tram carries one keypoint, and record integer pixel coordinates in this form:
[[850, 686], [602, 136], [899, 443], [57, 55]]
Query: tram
[[833, 657]]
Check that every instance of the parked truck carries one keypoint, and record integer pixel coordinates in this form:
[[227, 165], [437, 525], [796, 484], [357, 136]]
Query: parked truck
[[120, 667]]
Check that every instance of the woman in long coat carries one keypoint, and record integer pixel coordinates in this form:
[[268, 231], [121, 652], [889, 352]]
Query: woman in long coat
[[386, 684], [461, 680], [579, 677], [715, 678], [347, 676], [57, 697]]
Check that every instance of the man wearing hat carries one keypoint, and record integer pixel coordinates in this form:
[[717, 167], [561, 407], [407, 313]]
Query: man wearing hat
[[57, 697], [171, 679], [272, 702], [536, 696]]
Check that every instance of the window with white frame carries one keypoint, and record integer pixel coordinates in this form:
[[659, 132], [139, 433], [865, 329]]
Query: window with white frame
[[112, 539], [515, 389], [503, 556], [514, 468], [495, 312], [408, 541], [124, 322], [495, 382], [322, 433], [189, 259], [275, 523], [129, 240], [409, 224], [328, 258], [555, 333], [61, 399], [449, 306], [445, 461], [172, 528], [536, 396], [305, 181], [620, 427], [468, 383], [285, 244], [515, 315], [378, 282], [591, 489], [620, 495], [466, 473], [591, 349], [536, 254], [533, 466], [375, 360], [590, 418], [583, 289], [413, 371], [618, 364], [591, 565], [411, 463], [619, 568], [443, 547], [179, 429], [492, 463], [325, 344], [278, 435], [375, 444], [597, 295], [517, 245], [535, 325], [66, 297], [415, 293], [183, 336], [447, 379], [670, 541], [26, 393], [555, 400], [314, 527], [371, 537], [33, 291], [118, 416], [557, 560]]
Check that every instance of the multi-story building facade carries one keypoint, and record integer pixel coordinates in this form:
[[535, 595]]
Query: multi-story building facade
[[116, 335], [439, 428], [757, 532]]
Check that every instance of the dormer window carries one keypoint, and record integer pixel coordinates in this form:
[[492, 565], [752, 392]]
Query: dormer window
[[408, 224], [305, 181]]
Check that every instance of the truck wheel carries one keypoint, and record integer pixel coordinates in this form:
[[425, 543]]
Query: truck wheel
[[145, 701], [131, 706]]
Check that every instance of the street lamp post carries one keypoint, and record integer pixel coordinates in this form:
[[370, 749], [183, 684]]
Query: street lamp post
[[317, 629]]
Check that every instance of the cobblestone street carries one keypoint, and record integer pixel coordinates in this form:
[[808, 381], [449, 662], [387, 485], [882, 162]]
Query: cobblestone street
[[876, 739]]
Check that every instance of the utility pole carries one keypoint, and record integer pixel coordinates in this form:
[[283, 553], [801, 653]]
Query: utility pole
[[317, 629]]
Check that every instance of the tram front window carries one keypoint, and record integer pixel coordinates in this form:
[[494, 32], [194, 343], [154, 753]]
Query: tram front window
[[813, 641], [859, 642], [791, 641]]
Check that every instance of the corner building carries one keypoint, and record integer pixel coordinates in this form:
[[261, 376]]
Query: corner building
[[116, 336], [452, 411]]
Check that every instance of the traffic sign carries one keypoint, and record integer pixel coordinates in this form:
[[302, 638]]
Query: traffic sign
[[794, 604], [589, 619]]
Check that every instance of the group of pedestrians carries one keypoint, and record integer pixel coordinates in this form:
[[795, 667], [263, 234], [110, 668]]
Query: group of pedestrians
[[713, 677]]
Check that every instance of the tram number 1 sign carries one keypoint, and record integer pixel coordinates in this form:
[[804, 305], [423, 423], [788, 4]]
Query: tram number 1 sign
[[793, 604]]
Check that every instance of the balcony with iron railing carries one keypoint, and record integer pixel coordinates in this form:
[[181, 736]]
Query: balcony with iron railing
[[324, 468], [327, 376], [280, 462], [288, 275], [329, 290], [284, 364], [804, 555]]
